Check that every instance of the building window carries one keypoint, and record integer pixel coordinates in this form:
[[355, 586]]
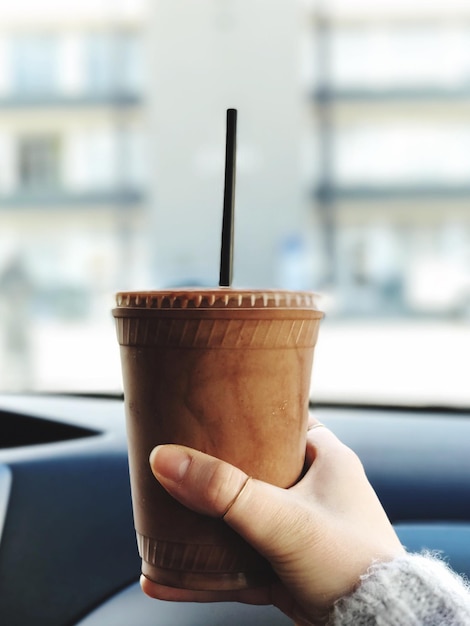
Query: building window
[[114, 64], [39, 162], [35, 64]]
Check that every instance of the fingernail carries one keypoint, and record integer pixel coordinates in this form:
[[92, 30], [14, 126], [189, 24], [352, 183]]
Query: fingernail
[[169, 462]]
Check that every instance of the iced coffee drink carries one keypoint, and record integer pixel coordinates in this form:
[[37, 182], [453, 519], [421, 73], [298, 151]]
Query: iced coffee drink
[[227, 372]]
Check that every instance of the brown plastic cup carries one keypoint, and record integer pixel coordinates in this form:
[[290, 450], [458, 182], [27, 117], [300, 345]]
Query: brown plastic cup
[[227, 372]]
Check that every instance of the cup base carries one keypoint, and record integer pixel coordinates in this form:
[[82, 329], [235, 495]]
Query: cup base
[[204, 567], [206, 581]]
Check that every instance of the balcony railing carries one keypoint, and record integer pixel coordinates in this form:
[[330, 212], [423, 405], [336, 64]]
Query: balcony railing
[[338, 192], [45, 100], [332, 94], [54, 199]]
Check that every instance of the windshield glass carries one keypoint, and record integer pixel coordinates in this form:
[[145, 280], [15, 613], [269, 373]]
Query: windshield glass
[[352, 179]]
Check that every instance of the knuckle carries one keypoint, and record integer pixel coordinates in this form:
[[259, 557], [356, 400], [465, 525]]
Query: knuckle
[[219, 486], [352, 460]]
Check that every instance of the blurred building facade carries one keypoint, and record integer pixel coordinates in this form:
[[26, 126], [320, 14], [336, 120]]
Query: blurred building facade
[[364, 107], [353, 133], [391, 100], [71, 133], [353, 177]]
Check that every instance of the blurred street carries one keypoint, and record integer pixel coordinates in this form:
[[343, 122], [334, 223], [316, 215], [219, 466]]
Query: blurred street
[[383, 361]]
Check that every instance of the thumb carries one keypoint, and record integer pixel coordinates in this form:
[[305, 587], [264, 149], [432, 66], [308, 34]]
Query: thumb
[[261, 513]]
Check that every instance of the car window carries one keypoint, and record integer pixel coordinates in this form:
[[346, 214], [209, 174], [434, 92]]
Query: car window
[[352, 180]]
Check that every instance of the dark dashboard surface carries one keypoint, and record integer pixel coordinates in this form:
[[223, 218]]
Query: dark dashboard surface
[[68, 553]]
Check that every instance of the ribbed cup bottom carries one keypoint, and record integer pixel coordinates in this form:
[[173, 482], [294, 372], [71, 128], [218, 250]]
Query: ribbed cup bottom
[[201, 567]]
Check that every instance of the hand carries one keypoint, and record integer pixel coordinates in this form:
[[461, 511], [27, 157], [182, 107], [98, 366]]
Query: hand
[[320, 535]]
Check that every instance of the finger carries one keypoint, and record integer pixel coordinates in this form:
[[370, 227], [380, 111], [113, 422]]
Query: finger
[[276, 595], [201, 482], [311, 421], [262, 514], [319, 438], [258, 596], [325, 447]]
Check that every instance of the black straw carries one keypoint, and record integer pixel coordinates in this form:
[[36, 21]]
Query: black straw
[[226, 252]]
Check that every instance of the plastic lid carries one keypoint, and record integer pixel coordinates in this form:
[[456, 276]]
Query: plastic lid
[[217, 298]]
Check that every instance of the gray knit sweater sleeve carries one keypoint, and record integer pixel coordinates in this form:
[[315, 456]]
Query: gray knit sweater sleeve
[[413, 590]]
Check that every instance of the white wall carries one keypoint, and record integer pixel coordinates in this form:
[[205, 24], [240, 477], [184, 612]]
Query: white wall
[[204, 57]]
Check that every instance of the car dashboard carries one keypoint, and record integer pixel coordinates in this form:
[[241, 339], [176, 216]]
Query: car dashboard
[[68, 553]]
